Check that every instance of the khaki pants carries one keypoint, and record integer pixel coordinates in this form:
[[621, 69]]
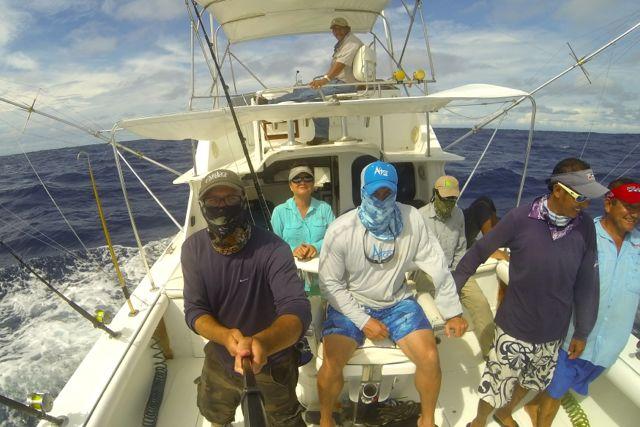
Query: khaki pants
[[474, 301]]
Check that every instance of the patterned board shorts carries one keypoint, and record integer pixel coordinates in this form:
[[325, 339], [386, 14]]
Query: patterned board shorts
[[513, 361], [219, 391]]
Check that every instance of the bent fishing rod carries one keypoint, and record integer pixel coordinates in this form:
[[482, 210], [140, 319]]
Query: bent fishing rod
[[243, 142], [107, 237], [96, 323]]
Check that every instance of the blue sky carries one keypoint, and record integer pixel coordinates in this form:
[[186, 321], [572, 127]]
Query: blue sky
[[97, 61]]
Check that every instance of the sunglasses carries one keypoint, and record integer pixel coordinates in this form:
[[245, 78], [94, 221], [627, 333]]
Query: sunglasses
[[378, 256], [576, 196], [216, 202], [302, 178]]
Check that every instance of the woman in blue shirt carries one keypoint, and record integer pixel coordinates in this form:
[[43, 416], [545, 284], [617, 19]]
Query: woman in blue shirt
[[301, 221]]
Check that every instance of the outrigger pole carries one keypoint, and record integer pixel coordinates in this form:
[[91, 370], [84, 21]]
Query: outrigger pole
[[578, 64], [96, 323], [263, 203], [95, 133]]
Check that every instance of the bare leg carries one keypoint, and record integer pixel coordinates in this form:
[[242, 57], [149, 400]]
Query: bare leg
[[504, 413], [484, 409], [337, 350], [532, 408], [548, 410], [420, 348]]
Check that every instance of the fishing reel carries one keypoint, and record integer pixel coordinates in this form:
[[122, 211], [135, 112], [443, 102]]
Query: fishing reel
[[42, 402], [103, 316]]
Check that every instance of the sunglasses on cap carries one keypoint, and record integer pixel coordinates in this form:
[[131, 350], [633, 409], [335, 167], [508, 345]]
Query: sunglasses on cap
[[302, 178], [576, 196]]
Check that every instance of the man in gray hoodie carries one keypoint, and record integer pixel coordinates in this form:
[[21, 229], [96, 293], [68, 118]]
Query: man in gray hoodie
[[365, 257]]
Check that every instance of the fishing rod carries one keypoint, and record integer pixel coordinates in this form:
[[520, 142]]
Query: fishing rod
[[37, 410], [95, 133], [107, 236], [93, 319], [252, 402], [261, 199]]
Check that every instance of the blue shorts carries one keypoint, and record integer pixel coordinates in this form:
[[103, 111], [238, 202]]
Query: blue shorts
[[401, 319], [574, 374]]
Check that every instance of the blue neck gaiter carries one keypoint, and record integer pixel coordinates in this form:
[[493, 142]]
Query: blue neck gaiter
[[381, 217]]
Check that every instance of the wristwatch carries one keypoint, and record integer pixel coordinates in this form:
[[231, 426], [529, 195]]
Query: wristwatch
[[327, 77]]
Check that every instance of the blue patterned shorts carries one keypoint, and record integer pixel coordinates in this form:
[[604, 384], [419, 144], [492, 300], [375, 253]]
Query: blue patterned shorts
[[401, 319]]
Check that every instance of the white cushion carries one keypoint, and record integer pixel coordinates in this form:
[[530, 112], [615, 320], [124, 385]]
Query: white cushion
[[364, 64]]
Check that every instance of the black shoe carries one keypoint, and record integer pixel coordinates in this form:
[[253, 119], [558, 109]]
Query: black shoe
[[317, 140], [261, 100]]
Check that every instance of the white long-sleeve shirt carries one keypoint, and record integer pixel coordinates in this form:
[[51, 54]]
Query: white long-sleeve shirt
[[350, 282]]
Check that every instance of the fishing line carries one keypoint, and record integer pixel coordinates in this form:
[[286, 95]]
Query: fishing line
[[625, 172], [620, 162], [263, 202], [61, 248], [51, 197], [96, 323], [599, 104]]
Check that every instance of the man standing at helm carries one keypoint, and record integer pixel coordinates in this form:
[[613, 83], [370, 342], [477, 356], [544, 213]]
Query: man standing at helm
[[243, 294], [340, 72], [366, 254]]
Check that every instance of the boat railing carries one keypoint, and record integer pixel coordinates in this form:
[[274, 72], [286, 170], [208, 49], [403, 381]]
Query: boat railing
[[371, 89]]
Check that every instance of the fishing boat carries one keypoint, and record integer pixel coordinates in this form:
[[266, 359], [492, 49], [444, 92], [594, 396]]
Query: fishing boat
[[143, 372]]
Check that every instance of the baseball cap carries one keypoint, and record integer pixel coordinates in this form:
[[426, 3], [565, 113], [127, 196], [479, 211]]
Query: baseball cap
[[298, 170], [584, 182], [447, 186], [628, 193], [339, 22], [220, 177], [377, 175]]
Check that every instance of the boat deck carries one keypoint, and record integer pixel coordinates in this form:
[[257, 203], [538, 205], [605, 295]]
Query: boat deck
[[456, 405]]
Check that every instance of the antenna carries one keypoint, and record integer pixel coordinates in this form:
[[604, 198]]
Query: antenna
[[579, 62]]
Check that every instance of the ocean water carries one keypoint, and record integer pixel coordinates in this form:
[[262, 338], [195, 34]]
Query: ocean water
[[42, 340]]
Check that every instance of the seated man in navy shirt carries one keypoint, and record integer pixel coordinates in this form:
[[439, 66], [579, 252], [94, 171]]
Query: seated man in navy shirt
[[243, 294]]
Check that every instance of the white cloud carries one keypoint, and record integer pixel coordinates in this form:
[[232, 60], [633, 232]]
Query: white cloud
[[92, 38], [13, 22], [159, 10], [20, 61]]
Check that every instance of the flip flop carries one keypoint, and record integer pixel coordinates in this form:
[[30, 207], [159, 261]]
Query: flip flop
[[499, 421]]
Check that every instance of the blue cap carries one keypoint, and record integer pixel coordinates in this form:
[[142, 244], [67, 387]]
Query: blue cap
[[377, 175]]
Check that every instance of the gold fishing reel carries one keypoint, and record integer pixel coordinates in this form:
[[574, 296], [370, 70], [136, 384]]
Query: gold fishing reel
[[104, 316], [42, 402]]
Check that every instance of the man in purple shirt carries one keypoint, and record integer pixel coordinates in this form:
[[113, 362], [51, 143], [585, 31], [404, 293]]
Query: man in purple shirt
[[243, 294], [553, 270]]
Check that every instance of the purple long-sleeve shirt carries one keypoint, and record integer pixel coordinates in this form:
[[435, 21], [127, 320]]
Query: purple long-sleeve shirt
[[547, 278], [247, 290]]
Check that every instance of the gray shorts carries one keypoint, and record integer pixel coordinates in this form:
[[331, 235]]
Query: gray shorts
[[513, 361]]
